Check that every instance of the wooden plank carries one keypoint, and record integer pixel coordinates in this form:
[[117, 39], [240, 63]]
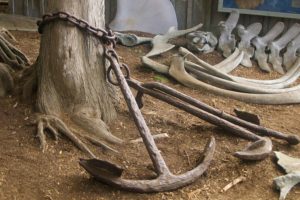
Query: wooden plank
[[189, 14], [42, 8], [207, 14], [216, 17], [181, 8], [113, 9], [107, 11], [198, 15], [11, 6], [26, 7]]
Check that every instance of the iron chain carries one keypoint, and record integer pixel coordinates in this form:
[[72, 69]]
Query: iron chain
[[107, 37]]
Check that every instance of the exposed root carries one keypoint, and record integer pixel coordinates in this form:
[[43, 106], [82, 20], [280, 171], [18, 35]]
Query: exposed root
[[88, 119], [12, 56], [99, 143], [6, 80], [55, 126], [30, 83], [8, 36]]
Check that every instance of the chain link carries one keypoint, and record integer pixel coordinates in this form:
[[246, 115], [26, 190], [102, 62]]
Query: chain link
[[107, 37]]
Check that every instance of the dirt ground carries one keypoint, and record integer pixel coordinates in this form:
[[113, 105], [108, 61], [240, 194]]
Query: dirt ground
[[27, 173]]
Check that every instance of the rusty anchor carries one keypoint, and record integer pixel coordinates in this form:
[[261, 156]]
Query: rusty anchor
[[259, 149], [111, 174]]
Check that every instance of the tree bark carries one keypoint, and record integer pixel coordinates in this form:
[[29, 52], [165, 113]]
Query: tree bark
[[71, 70]]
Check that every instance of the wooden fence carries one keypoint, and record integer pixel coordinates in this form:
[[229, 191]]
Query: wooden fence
[[189, 13], [192, 12]]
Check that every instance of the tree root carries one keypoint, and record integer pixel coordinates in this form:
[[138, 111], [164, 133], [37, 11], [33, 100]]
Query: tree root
[[29, 82], [11, 59], [56, 127], [88, 119], [8, 36], [100, 143], [12, 56], [6, 80]]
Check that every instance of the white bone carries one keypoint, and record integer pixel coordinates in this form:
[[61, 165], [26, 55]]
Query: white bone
[[155, 16], [290, 56], [242, 87], [227, 65], [177, 71], [261, 43], [160, 42], [286, 183], [216, 72], [246, 36], [231, 62], [161, 68], [276, 46], [201, 42], [288, 163], [291, 76], [292, 168], [227, 41]]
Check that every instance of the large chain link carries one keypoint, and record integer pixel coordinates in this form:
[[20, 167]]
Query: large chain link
[[107, 37]]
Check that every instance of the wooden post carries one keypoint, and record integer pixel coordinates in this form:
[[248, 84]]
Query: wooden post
[[26, 8], [189, 18], [42, 7]]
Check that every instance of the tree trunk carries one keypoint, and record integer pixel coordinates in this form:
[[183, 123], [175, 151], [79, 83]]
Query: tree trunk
[[71, 70]]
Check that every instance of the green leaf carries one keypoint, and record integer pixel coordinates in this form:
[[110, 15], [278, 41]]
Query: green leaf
[[161, 78]]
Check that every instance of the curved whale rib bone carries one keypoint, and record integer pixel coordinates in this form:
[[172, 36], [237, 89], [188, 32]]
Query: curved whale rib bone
[[275, 47], [282, 82], [231, 62], [246, 35], [288, 80], [227, 41], [216, 72], [242, 87], [261, 43], [158, 67], [290, 56], [188, 80], [289, 97]]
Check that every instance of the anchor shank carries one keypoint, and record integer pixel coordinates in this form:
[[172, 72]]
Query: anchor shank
[[263, 131], [237, 130], [156, 157]]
